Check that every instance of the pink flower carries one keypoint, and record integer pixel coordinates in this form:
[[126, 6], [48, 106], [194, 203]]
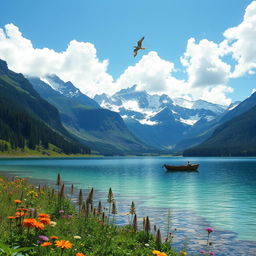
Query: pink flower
[[211, 253], [209, 230], [202, 252]]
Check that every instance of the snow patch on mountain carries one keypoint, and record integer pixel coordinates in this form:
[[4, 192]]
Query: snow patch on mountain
[[183, 103], [191, 121]]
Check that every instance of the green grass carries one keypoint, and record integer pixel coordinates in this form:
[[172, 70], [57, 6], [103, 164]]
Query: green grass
[[90, 231], [52, 151]]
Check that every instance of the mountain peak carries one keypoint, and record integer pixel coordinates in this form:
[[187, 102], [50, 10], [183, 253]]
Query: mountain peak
[[68, 90], [3, 66]]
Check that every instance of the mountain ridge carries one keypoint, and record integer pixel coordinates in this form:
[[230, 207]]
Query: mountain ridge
[[103, 130]]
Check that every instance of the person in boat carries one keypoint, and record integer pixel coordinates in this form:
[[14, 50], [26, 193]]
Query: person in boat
[[189, 164]]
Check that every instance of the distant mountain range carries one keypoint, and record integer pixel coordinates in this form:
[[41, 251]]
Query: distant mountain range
[[158, 120]]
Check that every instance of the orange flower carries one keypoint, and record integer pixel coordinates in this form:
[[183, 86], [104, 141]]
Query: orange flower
[[80, 254], [162, 254], [20, 214], [29, 222], [11, 217], [39, 225], [45, 221], [46, 244], [54, 237], [18, 201], [43, 215], [63, 244]]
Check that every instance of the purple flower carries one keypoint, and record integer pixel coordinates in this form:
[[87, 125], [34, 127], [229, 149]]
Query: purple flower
[[202, 252], [211, 253], [43, 238], [209, 230], [61, 211]]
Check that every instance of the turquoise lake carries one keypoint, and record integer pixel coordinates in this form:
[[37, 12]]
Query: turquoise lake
[[221, 195]]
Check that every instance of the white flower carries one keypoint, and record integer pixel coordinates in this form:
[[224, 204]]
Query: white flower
[[53, 223]]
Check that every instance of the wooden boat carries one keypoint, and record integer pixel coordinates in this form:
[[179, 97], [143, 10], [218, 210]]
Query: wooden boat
[[186, 168]]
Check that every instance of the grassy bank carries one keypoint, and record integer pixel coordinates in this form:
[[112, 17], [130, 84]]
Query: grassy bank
[[40, 153], [43, 221]]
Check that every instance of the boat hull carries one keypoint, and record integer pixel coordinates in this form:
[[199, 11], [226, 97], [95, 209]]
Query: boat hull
[[184, 168]]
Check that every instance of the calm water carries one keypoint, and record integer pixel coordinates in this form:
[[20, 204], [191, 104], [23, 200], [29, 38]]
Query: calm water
[[221, 195]]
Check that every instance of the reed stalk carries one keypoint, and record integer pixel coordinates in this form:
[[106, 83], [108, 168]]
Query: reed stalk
[[80, 200], [158, 240], [135, 223]]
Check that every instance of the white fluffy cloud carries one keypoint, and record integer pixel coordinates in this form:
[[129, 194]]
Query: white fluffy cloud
[[207, 73], [240, 42], [204, 65], [78, 63], [154, 75]]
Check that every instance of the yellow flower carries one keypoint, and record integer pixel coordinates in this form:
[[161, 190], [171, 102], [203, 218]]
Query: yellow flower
[[156, 252], [77, 237], [183, 253]]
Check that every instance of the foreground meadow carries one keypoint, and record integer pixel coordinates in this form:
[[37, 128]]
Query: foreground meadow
[[44, 221]]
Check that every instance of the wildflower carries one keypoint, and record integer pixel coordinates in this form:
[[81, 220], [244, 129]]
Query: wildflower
[[54, 237], [11, 217], [20, 214], [45, 221], [23, 209], [211, 253], [183, 253], [162, 254], [202, 252], [147, 245], [156, 252], [61, 211], [63, 244], [80, 254], [39, 225], [18, 201], [53, 223], [46, 244], [77, 237], [43, 215], [43, 238], [29, 222], [209, 230]]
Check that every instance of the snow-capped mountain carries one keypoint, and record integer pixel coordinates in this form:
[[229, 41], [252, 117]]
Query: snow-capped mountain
[[158, 120], [67, 89], [142, 107]]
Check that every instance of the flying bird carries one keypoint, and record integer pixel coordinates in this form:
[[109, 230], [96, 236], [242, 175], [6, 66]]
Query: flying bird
[[138, 47]]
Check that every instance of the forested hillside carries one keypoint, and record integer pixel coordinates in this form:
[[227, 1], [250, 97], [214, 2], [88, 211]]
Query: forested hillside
[[28, 121]]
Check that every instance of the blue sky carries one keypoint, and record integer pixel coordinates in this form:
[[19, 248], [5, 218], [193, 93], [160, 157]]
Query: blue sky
[[113, 27]]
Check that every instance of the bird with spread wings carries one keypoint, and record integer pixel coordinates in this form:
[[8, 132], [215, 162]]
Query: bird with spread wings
[[138, 47]]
